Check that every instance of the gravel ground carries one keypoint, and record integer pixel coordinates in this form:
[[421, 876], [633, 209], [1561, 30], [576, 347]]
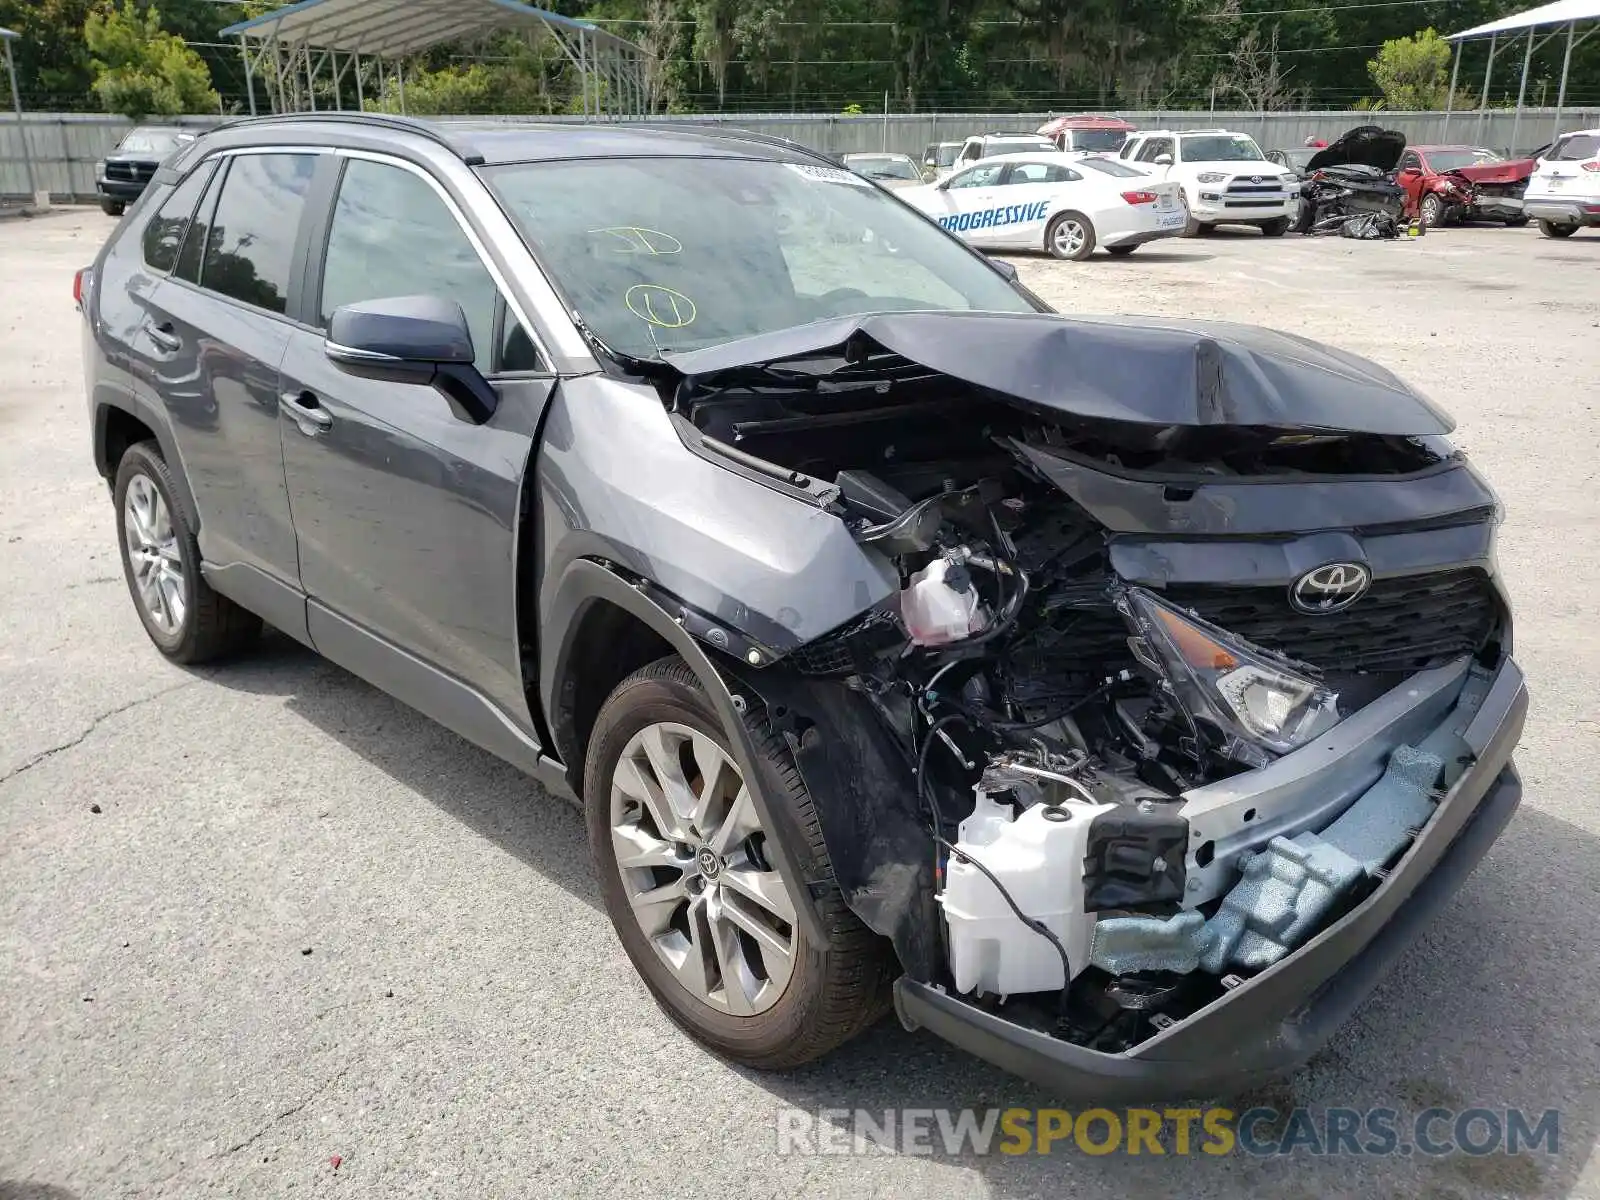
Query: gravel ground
[[255, 917]]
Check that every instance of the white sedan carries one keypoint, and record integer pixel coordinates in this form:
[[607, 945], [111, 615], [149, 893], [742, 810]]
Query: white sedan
[[1065, 204]]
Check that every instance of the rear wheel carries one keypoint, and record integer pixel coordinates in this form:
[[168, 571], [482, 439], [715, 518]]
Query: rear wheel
[[1070, 235], [1122, 251], [1552, 229], [1275, 228], [1433, 211], [112, 208], [689, 882], [187, 621]]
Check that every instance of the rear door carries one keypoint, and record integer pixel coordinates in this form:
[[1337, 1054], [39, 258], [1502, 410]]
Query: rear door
[[217, 330], [1031, 193], [408, 514]]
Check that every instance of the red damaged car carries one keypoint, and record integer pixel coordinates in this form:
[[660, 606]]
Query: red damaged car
[[1448, 184]]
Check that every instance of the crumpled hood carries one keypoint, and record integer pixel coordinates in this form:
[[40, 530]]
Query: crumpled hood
[[1366, 144], [1502, 172], [1143, 370]]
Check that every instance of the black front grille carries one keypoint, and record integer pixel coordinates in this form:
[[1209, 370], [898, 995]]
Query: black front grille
[[133, 171], [1399, 625]]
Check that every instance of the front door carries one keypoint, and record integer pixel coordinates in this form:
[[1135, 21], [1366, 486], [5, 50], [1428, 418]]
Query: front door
[[407, 514], [966, 200]]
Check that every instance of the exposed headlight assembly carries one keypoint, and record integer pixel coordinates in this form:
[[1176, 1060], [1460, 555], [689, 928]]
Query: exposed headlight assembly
[[1260, 704], [1211, 177]]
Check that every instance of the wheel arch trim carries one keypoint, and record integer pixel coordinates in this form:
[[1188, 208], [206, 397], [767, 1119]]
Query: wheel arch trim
[[586, 582]]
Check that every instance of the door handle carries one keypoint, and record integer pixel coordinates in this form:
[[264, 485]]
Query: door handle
[[307, 412], [163, 336]]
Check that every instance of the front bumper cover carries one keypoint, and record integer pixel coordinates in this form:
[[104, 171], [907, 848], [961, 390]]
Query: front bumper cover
[[1277, 1019]]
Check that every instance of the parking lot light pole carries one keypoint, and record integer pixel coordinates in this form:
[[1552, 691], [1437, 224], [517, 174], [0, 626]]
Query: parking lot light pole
[[1450, 99], [8, 37]]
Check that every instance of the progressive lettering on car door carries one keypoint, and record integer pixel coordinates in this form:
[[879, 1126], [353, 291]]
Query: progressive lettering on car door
[[974, 203]]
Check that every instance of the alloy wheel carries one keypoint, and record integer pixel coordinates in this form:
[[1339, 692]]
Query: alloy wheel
[[153, 555], [1069, 237], [690, 851]]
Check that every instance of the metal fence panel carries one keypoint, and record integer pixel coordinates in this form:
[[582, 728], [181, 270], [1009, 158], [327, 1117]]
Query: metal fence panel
[[66, 147]]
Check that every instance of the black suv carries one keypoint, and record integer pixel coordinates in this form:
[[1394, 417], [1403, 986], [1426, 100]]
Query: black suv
[[1118, 698], [131, 164]]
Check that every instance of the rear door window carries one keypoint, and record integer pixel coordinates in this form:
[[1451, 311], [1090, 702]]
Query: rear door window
[[1154, 149], [165, 232], [194, 242], [249, 253]]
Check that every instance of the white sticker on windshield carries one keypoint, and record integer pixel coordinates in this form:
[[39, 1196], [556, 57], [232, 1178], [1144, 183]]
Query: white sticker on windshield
[[829, 174]]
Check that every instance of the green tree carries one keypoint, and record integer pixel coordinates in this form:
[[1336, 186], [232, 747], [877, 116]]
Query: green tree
[[140, 69], [1413, 72]]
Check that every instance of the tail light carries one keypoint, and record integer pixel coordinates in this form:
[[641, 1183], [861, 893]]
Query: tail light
[[77, 285], [1139, 197], [1593, 166]]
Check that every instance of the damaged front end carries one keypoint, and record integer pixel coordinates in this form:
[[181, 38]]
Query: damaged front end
[[1196, 650]]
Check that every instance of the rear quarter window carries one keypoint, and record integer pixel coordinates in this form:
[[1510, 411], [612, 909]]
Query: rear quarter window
[[164, 232]]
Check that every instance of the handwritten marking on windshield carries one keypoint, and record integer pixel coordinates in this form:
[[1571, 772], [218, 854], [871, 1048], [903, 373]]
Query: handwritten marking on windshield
[[660, 306], [636, 239]]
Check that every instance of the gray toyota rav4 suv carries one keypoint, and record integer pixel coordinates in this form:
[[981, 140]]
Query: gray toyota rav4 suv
[[1114, 698]]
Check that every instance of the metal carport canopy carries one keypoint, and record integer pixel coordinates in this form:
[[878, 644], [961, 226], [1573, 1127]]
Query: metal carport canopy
[[1568, 13], [611, 68]]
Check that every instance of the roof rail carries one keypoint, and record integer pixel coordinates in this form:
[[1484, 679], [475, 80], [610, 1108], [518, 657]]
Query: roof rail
[[734, 133], [399, 124]]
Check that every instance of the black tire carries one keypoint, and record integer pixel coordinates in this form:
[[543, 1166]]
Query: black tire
[[1433, 211], [1084, 250], [212, 625], [1517, 222], [1193, 228], [1276, 229], [1305, 218], [1122, 251], [836, 989], [1553, 229], [112, 208]]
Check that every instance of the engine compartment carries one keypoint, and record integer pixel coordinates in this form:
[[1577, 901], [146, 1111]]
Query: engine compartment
[[1051, 714]]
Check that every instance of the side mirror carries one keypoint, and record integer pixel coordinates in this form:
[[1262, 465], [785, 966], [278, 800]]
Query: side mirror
[[412, 339], [1008, 269], [1163, 160]]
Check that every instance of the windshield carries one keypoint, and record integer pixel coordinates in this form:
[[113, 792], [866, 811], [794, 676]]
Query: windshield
[[679, 253], [882, 166], [947, 153], [1452, 160], [1223, 147], [154, 141], [1109, 166], [1097, 139]]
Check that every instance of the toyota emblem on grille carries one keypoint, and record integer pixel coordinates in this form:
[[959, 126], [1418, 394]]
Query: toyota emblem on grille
[[1330, 589], [1255, 179]]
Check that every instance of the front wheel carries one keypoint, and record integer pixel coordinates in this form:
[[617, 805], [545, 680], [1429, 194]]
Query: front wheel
[[689, 881], [1552, 229], [187, 621], [1070, 235], [112, 208], [1275, 228], [1433, 211]]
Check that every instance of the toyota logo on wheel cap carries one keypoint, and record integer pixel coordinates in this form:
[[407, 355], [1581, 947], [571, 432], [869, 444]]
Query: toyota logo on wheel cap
[[1330, 589]]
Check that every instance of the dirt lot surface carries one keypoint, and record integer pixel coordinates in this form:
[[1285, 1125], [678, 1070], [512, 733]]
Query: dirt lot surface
[[254, 917]]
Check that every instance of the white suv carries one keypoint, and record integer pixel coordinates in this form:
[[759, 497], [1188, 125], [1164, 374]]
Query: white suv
[[1226, 179], [987, 145], [1564, 193]]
